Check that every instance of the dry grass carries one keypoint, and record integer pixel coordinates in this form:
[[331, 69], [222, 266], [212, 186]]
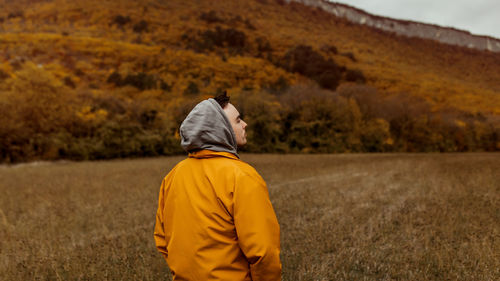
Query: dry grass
[[342, 217]]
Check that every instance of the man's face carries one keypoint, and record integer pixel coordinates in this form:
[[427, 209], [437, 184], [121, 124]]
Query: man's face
[[238, 125]]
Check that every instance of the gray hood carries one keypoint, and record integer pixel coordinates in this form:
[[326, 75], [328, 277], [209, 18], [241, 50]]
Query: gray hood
[[207, 127]]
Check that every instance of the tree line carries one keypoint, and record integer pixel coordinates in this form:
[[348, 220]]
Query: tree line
[[45, 119]]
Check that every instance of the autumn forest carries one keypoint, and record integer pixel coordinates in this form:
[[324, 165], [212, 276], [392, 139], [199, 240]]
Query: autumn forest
[[87, 80]]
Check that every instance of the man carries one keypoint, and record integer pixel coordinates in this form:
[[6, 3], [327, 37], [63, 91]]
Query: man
[[215, 220]]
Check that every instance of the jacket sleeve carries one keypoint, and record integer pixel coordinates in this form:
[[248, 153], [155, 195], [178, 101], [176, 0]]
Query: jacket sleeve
[[257, 227], [159, 231]]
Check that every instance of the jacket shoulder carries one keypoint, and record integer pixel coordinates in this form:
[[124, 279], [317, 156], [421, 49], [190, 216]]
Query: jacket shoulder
[[178, 166], [236, 167], [246, 170]]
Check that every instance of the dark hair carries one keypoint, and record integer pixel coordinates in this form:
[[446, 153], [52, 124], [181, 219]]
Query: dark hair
[[222, 99]]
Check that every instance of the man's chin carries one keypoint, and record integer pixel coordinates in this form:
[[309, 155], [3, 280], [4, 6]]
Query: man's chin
[[240, 145]]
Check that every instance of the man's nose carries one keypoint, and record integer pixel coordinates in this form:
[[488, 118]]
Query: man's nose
[[244, 124]]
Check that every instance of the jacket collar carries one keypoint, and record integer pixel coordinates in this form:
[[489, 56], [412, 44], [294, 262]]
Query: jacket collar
[[200, 154]]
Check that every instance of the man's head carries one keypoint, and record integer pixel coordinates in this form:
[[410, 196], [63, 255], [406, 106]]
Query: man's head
[[238, 125]]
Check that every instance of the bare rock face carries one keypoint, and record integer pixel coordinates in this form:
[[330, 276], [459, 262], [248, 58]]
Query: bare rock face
[[407, 28]]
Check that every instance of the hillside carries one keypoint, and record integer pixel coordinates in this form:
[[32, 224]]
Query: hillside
[[100, 79]]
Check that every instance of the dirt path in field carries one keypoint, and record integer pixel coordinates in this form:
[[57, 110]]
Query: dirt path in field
[[323, 178]]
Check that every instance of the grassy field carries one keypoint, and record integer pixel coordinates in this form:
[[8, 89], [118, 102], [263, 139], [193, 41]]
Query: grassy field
[[342, 217]]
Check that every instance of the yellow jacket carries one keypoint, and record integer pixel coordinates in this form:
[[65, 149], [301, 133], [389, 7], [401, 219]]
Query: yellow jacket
[[215, 221]]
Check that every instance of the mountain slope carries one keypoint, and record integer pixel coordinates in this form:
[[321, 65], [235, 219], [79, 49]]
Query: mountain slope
[[101, 79], [446, 76]]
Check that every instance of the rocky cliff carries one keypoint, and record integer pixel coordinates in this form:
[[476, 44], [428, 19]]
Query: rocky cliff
[[407, 28]]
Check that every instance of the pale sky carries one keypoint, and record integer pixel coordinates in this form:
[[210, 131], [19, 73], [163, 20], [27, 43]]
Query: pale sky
[[480, 17]]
